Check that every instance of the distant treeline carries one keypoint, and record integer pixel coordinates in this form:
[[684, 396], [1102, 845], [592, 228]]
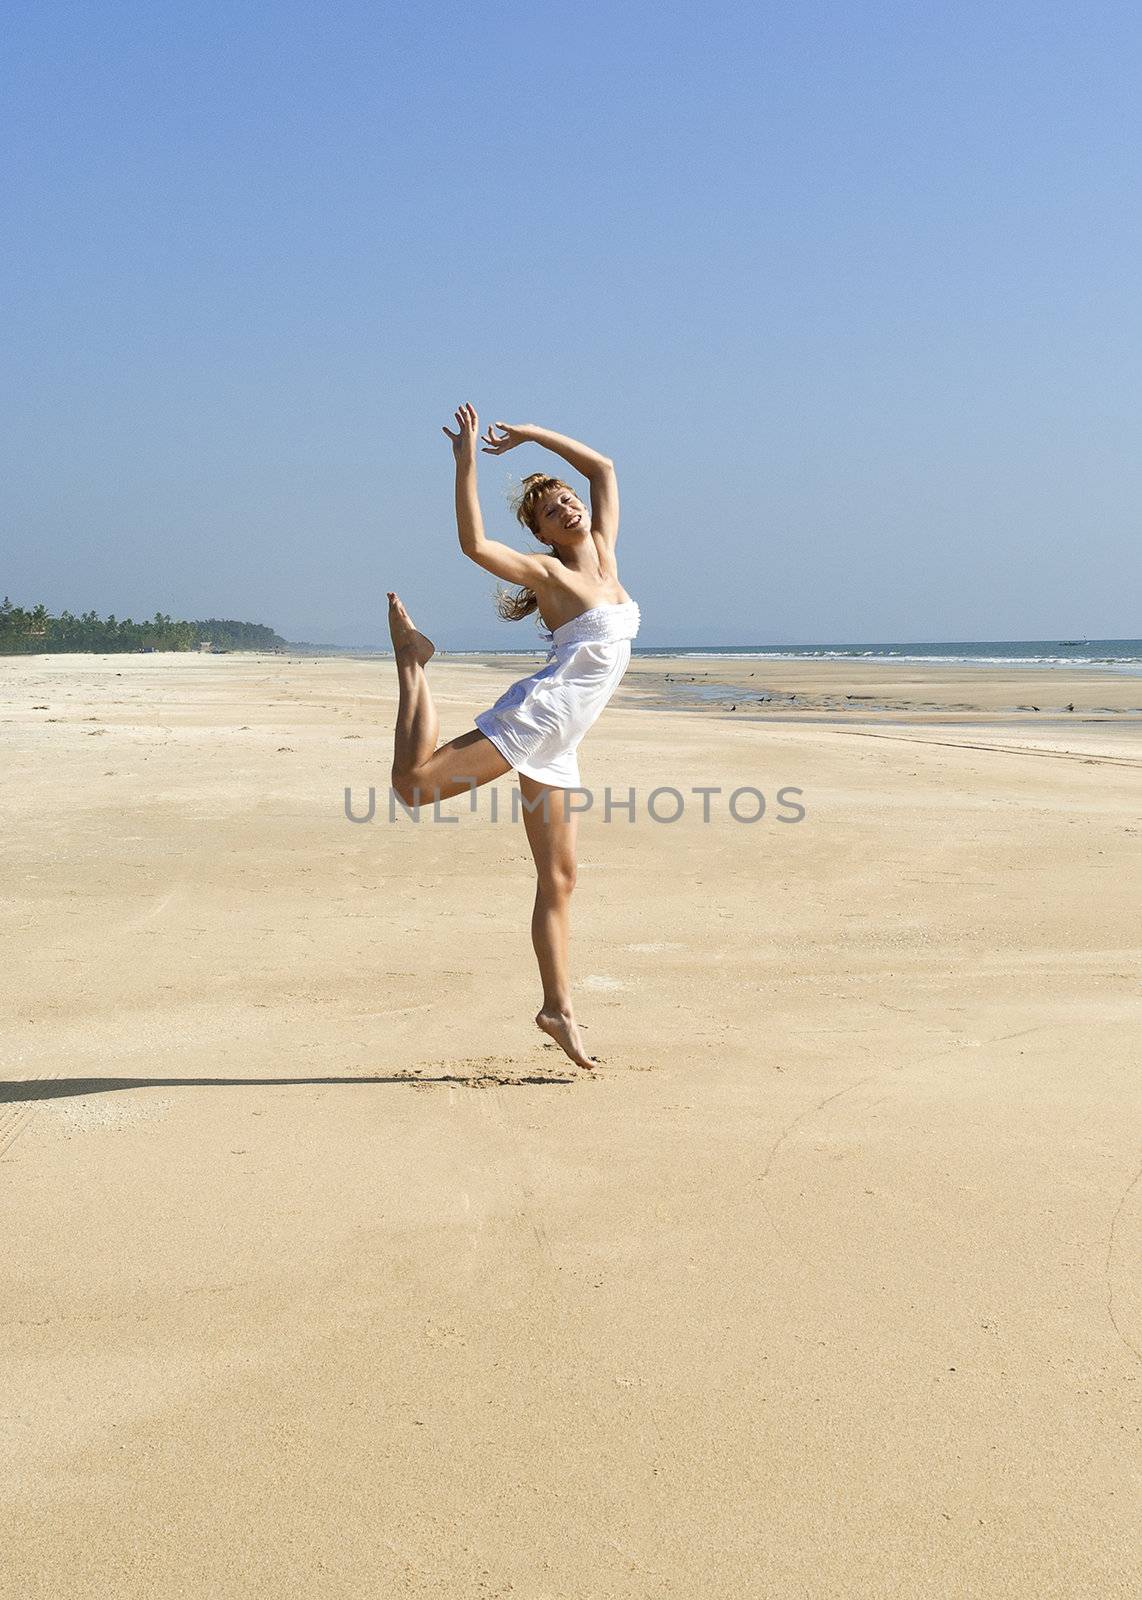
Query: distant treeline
[[36, 633]]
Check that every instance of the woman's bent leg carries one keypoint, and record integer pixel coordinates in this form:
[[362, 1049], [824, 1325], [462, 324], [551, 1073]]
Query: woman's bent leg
[[458, 767], [421, 773], [418, 727]]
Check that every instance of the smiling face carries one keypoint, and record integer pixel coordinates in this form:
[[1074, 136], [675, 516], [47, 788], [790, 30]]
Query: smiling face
[[561, 518]]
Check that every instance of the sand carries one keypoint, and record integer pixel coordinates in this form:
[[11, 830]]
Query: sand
[[325, 1274]]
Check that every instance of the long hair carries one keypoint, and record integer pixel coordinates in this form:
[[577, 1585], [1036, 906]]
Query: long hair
[[514, 606]]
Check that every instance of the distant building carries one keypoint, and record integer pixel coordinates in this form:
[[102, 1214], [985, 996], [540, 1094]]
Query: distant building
[[205, 647]]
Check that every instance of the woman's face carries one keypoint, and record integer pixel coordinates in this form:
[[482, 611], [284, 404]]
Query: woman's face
[[561, 518]]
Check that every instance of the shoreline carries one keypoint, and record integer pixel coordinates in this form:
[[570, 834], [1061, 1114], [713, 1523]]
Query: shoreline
[[803, 691]]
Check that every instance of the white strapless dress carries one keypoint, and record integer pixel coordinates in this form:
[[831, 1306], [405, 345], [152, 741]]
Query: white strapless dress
[[538, 723]]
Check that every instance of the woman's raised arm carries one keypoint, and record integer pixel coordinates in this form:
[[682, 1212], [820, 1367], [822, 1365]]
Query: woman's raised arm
[[598, 470], [512, 565]]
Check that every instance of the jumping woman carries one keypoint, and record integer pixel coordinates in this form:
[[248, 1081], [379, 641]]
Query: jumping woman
[[536, 726]]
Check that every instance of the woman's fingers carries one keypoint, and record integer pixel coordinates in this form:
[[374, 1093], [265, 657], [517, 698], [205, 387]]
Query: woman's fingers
[[466, 420]]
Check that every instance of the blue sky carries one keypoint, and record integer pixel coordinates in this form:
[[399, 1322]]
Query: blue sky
[[848, 291]]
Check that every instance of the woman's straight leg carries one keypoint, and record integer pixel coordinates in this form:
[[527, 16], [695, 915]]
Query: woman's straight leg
[[552, 833]]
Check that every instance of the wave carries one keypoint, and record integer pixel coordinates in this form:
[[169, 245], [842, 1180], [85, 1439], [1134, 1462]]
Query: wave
[[1122, 663]]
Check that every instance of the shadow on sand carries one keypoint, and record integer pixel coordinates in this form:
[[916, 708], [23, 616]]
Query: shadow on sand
[[16, 1092]]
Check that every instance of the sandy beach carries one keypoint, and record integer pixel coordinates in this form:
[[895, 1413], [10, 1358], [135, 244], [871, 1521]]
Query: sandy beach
[[326, 1273]]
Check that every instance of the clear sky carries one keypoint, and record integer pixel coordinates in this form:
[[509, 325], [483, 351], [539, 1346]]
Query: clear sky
[[849, 290]]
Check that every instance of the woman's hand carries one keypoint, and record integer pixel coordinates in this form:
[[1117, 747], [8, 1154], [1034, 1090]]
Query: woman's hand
[[464, 442], [510, 438]]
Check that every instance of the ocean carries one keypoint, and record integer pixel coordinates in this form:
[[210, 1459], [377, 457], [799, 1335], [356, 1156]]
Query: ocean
[[1117, 655]]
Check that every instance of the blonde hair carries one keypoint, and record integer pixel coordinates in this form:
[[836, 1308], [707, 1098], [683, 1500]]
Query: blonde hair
[[525, 503]]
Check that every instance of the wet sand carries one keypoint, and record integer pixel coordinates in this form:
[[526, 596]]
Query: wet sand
[[910, 691]]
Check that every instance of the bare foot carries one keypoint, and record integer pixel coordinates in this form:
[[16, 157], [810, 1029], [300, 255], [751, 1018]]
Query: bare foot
[[405, 636], [564, 1031]]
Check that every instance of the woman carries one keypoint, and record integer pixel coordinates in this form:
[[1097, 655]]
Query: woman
[[536, 726]]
